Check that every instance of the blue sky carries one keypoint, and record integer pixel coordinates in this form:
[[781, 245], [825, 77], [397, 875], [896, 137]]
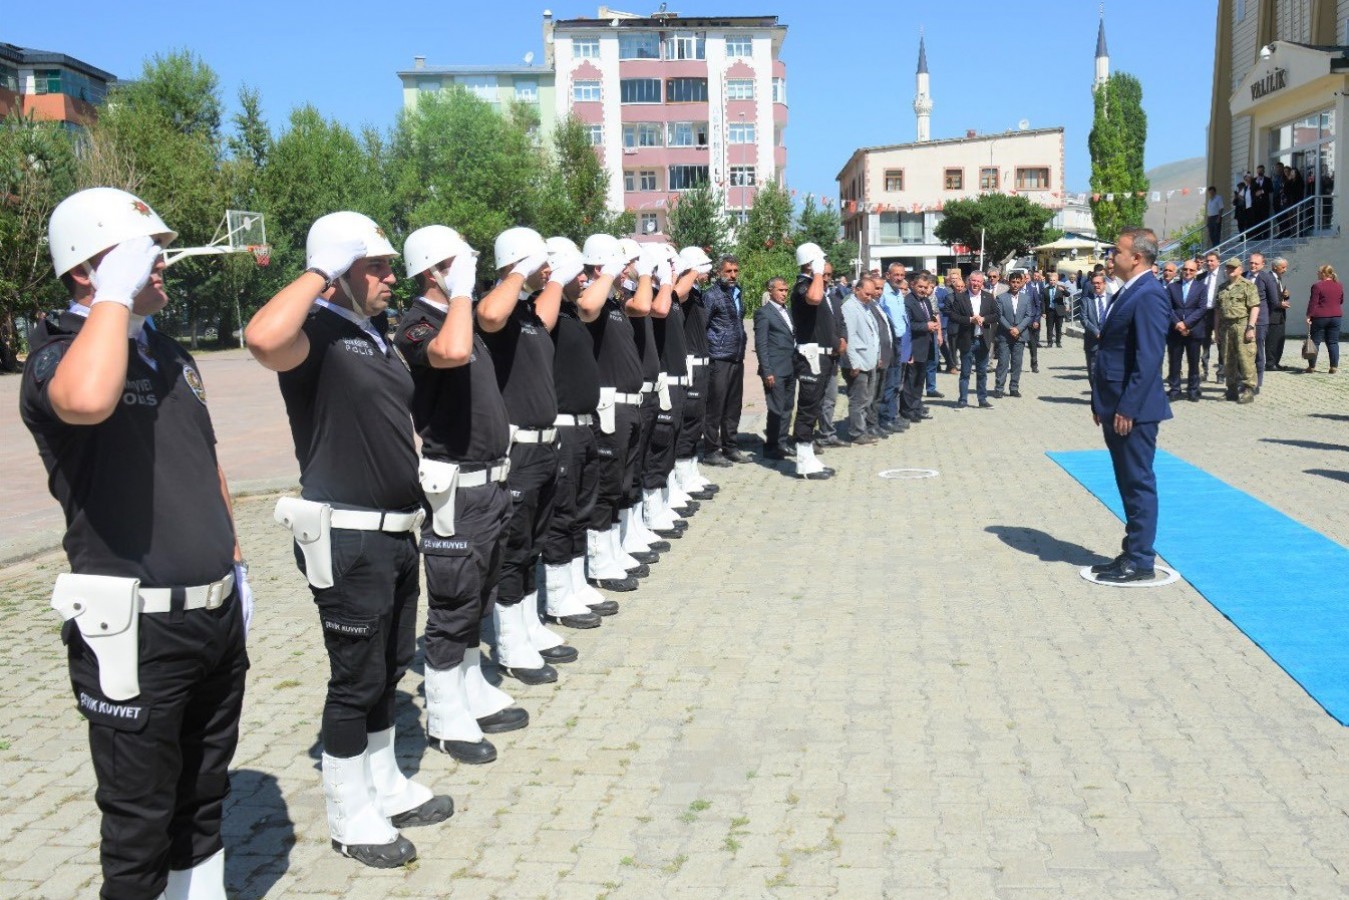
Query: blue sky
[[850, 67]]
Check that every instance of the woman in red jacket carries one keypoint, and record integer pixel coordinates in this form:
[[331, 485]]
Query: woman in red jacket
[[1324, 312]]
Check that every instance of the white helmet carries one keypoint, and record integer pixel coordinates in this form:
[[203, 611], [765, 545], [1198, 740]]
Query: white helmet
[[88, 222], [430, 246], [560, 245], [808, 252], [600, 249], [515, 244], [692, 258], [629, 249], [346, 226]]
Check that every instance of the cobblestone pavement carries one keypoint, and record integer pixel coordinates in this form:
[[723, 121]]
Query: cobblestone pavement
[[856, 688]]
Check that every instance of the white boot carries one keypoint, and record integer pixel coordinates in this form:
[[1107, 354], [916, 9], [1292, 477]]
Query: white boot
[[582, 589], [358, 828], [484, 698], [204, 881], [514, 650], [540, 636], [696, 473], [620, 556], [638, 521], [448, 714], [807, 466], [634, 539], [600, 560], [562, 603], [673, 498], [657, 517], [396, 794]]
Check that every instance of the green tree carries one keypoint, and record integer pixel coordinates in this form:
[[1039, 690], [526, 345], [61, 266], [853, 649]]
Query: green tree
[[697, 218], [1006, 224], [1119, 132], [574, 188], [764, 244], [37, 171], [821, 225]]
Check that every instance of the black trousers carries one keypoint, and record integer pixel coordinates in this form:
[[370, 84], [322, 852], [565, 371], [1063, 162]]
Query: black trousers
[[725, 396], [617, 461], [636, 464], [1053, 329], [578, 485], [1178, 347], [1034, 344], [461, 572], [779, 400], [695, 408], [659, 458], [369, 621], [533, 484], [162, 759], [1274, 342], [810, 396], [911, 389]]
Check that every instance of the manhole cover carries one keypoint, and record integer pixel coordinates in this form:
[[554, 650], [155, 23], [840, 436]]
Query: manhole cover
[[908, 474]]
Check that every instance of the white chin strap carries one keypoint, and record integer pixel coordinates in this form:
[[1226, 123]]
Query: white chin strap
[[439, 278]]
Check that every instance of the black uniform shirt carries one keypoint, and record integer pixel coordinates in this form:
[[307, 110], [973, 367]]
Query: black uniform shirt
[[141, 489], [670, 342], [575, 372], [348, 405], [813, 324], [695, 323], [458, 412], [615, 349], [522, 352], [645, 337]]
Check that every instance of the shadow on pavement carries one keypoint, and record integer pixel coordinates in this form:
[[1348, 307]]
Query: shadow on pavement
[[258, 834], [1329, 473], [1306, 445], [1334, 417], [1041, 544], [1080, 401]]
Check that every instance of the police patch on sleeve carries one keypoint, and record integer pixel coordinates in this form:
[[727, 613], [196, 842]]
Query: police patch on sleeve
[[419, 332], [44, 364], [194, 382]]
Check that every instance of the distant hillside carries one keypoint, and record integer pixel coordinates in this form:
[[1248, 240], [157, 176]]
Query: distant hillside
[[1168, 217]]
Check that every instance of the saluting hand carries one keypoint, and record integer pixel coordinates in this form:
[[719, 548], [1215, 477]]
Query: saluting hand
[[336, 257], [125, 270]]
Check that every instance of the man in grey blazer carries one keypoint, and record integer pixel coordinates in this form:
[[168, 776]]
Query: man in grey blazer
[[1016, 312], [774, 344]]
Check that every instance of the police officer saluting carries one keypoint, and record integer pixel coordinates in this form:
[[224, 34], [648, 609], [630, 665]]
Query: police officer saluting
[[813, 323], [348, 397], [157, 604], [688, 475], [461, 418]]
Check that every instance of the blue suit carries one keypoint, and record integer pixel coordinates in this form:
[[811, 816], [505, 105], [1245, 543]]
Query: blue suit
[[1187, 306], [1127, 381]]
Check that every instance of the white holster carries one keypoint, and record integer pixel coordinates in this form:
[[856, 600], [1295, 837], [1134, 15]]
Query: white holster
[[440, 482], [107, 612], [311, 523], [606, 409], [688, 365], [663, 391], [811, 354]]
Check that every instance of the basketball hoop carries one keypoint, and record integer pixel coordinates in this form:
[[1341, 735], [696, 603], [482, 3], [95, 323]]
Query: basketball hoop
[[262, 253]]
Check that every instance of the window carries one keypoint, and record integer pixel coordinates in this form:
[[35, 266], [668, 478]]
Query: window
[[683, 178], [1241, 10], [739, 45], [47, 81], [779, 90], [9, 78], [646, 180], [639, 90], [595, 133], [740, 133], [742, 176], [686, 90], [777, 136], [686, 46], [585, 48], [955, 179], [894, 179], [901, 228], [688, 134], [988, 178], [585, 91], [643, 134], [740, 89], [428, 85], [639, 46], [649, 223], [629, 181], [527, 90], [1032, 179], [484, 87]]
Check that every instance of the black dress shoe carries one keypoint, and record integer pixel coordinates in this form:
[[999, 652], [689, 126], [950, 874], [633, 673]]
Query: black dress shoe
[[1014, 393], [618, 585], [864, 439], [659, 546], [395, 854], [687, 509], [641, 570], [735, 455], [604, 608], [1035, 369], [512, 718], [1193, 398], [997, 394], [574, 620], [935, 394], [772, 453], [675, 533], [545, 674], [717, 460], [469, 752], [821, 475], [645, 556], [433, 811], [1106, 567], [899, 426], [562, 653], [962, 404], [818, 446], [701, 495], [1174, 395], [1125, 573], [984, 404]]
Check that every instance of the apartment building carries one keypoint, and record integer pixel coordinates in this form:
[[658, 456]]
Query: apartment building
[[51, 86]]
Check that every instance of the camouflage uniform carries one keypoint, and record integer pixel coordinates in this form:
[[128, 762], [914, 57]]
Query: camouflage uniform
[[1234, 302]]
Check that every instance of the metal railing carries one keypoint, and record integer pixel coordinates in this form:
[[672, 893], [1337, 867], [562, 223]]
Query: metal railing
[[1309, 217]]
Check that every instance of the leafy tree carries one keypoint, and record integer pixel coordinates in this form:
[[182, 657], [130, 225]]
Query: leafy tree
[[574, 188], [765, 245], [697, 218], [180, 87], [1119, 132], [821, 225], [37, 171], [1008, 223]]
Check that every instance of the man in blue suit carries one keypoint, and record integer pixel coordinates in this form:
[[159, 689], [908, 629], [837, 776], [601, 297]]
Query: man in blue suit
[[1091, 306], [1127, 399], [1016, 312], [1189, 329]]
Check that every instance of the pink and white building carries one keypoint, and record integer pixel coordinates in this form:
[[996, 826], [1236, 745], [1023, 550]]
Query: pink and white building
[[671, 101]]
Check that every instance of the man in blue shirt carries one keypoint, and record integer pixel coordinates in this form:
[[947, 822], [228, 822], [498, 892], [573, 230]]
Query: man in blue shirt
[[892, 302]]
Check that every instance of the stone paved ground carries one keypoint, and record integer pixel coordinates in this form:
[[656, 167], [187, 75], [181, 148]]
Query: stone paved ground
[[857, 688]]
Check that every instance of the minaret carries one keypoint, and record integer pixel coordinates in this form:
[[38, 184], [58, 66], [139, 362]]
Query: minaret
[[1102, 55], [922, 100]]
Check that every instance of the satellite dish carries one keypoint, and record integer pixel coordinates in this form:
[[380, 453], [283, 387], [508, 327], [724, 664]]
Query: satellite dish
[[1023, 124], [529, 58]]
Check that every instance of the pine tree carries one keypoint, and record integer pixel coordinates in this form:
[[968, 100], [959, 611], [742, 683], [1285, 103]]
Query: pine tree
[[697, 219], [1119, 183]]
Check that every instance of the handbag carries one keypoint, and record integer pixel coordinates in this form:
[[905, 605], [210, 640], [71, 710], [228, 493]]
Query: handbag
[[1309, 349]]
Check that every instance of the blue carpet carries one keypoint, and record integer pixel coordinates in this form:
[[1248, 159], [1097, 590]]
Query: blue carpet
[[1286, 588]]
